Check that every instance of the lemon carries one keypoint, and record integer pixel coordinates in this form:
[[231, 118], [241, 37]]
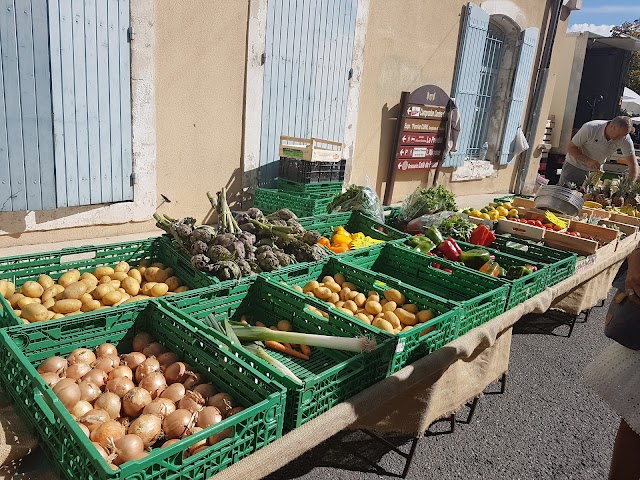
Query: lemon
[[503, 211], [507, 205], [486, 216], [475, 213], [512, 213]]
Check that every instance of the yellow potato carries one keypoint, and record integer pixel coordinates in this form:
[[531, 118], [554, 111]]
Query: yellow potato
[[52, 291], [51, 314], [351, 305], [13, 299], [86, 298], [349, 285], [103, 271], [159, 289], [120, 276], [411, 308], [405, 317], [101, 291], [169, 271], [173, 283], [351, 295], [156, 274], [383, 302], [135, 274], [339, 278], [69, 277], [32, 289], [334, 298], [360, 299], [145, 263], [121, 290], [115, 284], [362, 317], [131, 286], [48, 303], [333, 286], [345, 310], [141, 270], [373, 307], [146, 288], [122, 267], [389, 306], [394, 295], [407, 328], [373, 298], [392, 318], [27, 300], [70, 314], [67, 306], [322, 293], [35, 312], [424, 316], [343, 293], [89, 278], [382, 324], [91, 306], [75, 290], [45, 280], [7, 288], [181, 289], [297, 288], [104, 279], [56, 316], [339, 304], [159, 265], [111, 298], [125, 297], [311, 286]]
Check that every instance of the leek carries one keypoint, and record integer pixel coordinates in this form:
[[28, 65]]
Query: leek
[[260, 353], [362, 344]]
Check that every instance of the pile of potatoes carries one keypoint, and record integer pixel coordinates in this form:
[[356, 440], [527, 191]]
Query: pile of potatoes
[[391, 314], [74, 293]]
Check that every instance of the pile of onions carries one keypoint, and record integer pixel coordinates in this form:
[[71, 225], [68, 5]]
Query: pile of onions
[[128, 404]]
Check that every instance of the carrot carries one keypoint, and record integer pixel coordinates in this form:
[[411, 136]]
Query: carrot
[[306, 350], [281, 348], [288, 345], [260, 324]]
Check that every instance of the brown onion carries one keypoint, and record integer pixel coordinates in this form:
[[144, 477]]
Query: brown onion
[[81, 408], [121, 372], [206, 390], [107, 363], [233, 411], [218, 437], [193, 448], [141, 340], [168, 443], [110, 403], [160, 407], [154, 349], [103, 453], [148, 428], [77, 370], [50, 378], [94, 418], [154, 383], [84, 429], [108, 430], [89, 391], [68, 391], [178, 424], [176, 372], [97, 377], [209, 416], [192, 401], [174, 392], [106, 349], [133, 359], [52, 365], [166, 359], [147, 367], [223, 401], [201, 448], [135, 400], [193, 379], [129, 447], [81, 355], [120, 386]]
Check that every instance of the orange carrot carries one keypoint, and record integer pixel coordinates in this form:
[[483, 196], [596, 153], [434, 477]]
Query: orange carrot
[[281, 348], [306, 350]]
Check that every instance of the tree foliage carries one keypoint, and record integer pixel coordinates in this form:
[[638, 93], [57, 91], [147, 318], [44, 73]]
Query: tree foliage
[[630, 29]]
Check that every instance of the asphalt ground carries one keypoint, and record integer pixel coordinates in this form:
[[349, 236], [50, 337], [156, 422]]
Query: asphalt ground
[[547, 424]]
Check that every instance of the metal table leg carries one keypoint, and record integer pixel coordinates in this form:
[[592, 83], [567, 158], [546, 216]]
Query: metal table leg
[[408, 456]]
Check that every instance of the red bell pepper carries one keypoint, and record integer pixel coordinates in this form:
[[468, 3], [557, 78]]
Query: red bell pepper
[[482, 236], [450, 249]]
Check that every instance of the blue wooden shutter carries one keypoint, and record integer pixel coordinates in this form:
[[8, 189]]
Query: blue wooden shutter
[[467, 78], [521, 80]]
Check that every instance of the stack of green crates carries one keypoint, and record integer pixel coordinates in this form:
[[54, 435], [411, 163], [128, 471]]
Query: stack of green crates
[[303, 199]]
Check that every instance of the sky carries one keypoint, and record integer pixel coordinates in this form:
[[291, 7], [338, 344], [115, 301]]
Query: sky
[[598, 16]]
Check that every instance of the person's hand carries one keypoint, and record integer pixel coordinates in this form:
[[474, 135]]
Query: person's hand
[[592, 164], [632, 283]]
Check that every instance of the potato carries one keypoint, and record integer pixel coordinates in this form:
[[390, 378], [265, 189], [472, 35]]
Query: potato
[[115, 284], [121, 290], [427, 330], [411, 308], [405, 317], [7, 288], [120, 276], [424, 316], [32, 289], [85, 298], [173, 283], [56, 316], [394, 295], [112, 298], [345, 310], [45, 280], [382, 324], [297, 288], [125, 297], [70, 314], [69, 277], [51, 314], [389, 307], [328, 279], [52, 291], [343, 293], [339, 278], [181, 289], [89, 278], [104, 279], [159, 265], [334, 298], [48, 303], [373, 307], [392, 318], [322, 293], [383, 302], [91, 305], [103, 271], [333, 286], [145, 263], [159, 289], [146, 288], [155, 274], [75, 290], [13, 299], [373, 298], [35, 312], [351, 305], [339, 304], [24, 301], [135, 274], [349, 285], [363, 318], [131, 286], [141, 270], [122, 267], [67, 306], [311, 286], [407, 328], [351, 295], [101, 291], [360, 299]]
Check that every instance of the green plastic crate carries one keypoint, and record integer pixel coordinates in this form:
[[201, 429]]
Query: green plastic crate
[[410, 345], [504, 199], [481, 297], [329, 376], [314, 190], [23, 349], [270, 200], [560, 264], [22, 268]]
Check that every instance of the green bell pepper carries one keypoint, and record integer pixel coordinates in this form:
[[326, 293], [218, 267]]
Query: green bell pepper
[[421, 244], [475, 258], [433, 234]]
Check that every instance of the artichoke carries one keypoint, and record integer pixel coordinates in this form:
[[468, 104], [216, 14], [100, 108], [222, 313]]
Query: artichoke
[[226, 270], [237, 249], [200, 261], [183, 230], [277, 221], [285, 259], [202, 234], [311, 237], [245, 267], [285, 214], [263, 249], [198, 247], [248, 227], [224, 239], [296, 228], [268, 261], [217, 253], [255, 213]]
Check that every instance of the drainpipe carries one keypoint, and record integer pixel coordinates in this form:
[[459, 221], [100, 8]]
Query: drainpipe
[[535, 105]]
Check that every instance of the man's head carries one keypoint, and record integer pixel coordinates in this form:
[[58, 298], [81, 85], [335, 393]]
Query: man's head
[[619, 128]]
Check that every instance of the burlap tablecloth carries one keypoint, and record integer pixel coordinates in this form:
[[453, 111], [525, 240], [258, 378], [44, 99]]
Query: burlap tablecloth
[[441, 383]]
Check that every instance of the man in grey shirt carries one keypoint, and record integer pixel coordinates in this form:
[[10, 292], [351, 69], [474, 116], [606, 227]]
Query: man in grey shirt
[[593, 144]]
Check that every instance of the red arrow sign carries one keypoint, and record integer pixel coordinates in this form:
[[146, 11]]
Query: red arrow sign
[[409, 138]]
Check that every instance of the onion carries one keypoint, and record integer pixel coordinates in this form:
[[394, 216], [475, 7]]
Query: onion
[[223, 401], [218, 437], [233, 411], [174, 392], [132, 360], [107, 363], [160, 407], [148, 428], [94, 418], [81, 355], [192, 401], [50, 378], [168, 443], [121, 372], [89, 391], [176, 372], [68, 391], [206, 390], [201, 448], [110, 403], [135, 400], [154, 383], [106, 349], [166, 359], [120, 386], [129, 447], [209, 416], [97, 377], [81, 408], [103, 453], [154, 349], [84, 429], [141, 340], [109, 429], [53, 365], [192, 449], [77, 370], [178, 424], [193, 379], [147, 367]]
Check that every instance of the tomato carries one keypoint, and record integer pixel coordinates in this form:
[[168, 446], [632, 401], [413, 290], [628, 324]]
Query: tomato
[[538, 223], [557, 228], [576, 234]]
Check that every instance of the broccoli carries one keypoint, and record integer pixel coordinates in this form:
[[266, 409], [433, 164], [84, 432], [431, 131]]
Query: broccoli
[[200, 261], [198, 247]]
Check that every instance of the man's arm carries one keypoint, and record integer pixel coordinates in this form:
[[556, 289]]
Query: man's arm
[[576, 153], [632, 162]]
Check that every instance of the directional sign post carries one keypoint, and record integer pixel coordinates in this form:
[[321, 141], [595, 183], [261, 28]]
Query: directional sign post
[[420, 134]]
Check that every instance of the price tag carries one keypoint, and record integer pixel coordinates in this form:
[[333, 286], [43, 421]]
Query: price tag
[[400, 346]]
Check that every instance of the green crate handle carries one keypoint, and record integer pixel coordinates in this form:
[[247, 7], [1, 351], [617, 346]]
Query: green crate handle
[[38, 397], [69, 252]]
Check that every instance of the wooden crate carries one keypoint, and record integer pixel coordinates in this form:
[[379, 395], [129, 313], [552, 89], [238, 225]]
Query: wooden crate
[[628, 230], [521, 230], [582, 246], [595, 212], [523, 202], [622, 218], [310, 149]]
